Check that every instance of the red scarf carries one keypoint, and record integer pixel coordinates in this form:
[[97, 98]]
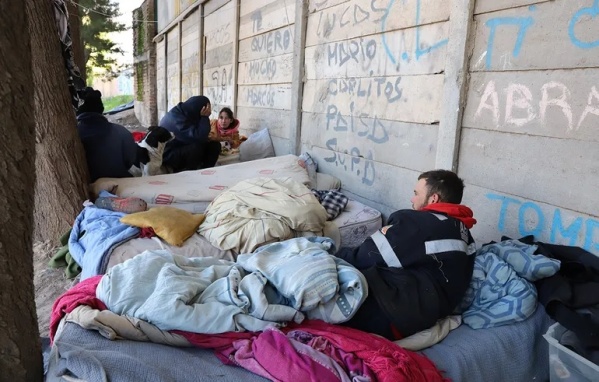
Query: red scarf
[[458, 211]]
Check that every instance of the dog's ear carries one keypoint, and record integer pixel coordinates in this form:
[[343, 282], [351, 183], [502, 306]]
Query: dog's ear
[[152, 128]]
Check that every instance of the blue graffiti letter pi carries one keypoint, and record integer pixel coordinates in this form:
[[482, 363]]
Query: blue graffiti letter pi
[[522, 22], [593, 12]]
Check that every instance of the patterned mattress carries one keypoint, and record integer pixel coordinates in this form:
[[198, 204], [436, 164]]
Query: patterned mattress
[[356, 223]]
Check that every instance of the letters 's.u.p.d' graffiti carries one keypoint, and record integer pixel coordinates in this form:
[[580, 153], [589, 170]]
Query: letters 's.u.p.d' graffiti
[[546, 226]]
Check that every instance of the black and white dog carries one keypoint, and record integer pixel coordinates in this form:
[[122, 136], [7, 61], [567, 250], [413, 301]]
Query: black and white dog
[[150, 152]]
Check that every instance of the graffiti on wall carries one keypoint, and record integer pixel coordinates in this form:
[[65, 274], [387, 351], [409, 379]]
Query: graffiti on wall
[[521, 108], [532, 219], [420, 49], [218, 92], [273, 43], [523, 25], [587, 12]]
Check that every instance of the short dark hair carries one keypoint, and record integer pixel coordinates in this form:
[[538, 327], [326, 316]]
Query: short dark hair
[[444, 183], [228, 111]]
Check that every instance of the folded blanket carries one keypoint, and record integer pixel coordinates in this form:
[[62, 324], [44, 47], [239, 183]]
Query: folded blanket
[[501, 291]]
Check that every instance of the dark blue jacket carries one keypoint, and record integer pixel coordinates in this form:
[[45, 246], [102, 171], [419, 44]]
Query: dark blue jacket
[[436, 256], [110, 149], [185, 121]]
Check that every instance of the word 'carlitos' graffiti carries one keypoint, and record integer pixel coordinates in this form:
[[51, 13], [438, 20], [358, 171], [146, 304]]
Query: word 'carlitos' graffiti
[[363, 87], [358, 164], [532, 220], [520, 109]]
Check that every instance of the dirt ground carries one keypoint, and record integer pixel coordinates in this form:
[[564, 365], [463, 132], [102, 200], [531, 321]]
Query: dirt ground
[[127, 118], [50, 283]]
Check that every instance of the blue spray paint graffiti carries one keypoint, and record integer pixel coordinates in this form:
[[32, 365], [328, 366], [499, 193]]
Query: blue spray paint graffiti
[[523, 23], [593, 12], [556, 231], [405, 55]]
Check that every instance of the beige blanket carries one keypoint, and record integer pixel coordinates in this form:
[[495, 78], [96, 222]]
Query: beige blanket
[[259, 211]]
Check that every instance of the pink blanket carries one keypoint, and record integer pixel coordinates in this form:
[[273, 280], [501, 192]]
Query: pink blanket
[[293, 353]]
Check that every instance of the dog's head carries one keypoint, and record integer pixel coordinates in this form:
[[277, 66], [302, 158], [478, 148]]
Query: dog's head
[[157, 135]]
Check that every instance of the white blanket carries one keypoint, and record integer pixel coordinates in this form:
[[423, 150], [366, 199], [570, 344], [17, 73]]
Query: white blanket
[[260, 211]]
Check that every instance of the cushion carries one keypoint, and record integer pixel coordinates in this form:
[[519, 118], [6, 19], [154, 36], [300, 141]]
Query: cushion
[[327, 182], [171, 224], [257, 146]]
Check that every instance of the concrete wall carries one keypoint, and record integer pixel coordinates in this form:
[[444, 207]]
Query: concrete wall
[[530, 150], [503, 91]]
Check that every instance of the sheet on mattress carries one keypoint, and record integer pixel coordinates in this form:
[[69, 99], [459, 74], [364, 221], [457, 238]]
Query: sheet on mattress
[[86, 355], [194, 190], [515, 352], [195, 246], [356, 223]]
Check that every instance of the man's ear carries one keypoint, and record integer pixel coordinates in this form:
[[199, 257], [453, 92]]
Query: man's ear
[[435, 198]]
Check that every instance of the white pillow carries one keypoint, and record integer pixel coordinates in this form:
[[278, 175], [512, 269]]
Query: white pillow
[[257, 146]]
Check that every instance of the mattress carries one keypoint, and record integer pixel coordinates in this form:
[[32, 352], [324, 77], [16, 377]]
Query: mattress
[[515, 352], [356, 223], [194, 190]]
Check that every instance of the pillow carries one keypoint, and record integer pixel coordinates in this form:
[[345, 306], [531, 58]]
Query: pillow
[[327, 182], [306, 161], [257, 146], [171, 224]]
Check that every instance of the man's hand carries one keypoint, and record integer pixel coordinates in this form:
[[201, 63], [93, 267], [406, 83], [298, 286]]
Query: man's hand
[[206, 111]]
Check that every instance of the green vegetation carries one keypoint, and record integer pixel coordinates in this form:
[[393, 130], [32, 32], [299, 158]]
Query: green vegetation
[[112, 102], [97, 21]]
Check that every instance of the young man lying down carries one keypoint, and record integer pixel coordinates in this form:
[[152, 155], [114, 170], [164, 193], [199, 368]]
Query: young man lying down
[[419, 266]]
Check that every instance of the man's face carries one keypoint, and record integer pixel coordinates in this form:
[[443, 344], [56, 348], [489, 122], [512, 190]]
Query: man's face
[[421, 198]]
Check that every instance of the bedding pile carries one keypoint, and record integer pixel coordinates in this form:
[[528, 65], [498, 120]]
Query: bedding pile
[[259, 211], [252, 312]]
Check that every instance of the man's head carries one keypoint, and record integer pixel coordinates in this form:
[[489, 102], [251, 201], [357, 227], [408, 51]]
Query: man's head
[[92, 101], [437, 186]]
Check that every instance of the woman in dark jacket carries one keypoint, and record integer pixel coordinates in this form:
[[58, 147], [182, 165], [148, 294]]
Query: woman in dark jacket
[[191, 149]]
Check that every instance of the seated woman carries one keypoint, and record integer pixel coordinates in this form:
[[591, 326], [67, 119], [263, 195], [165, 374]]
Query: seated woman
[[110, 150], [225, 128], [191, 149]]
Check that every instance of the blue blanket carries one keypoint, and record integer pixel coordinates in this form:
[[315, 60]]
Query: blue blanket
[[95, 233], [501, 291]]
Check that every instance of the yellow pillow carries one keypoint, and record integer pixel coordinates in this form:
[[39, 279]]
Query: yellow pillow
[[171, 224]]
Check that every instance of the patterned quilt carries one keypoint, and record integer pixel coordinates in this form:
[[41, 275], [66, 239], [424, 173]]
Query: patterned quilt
[[501, 291]]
